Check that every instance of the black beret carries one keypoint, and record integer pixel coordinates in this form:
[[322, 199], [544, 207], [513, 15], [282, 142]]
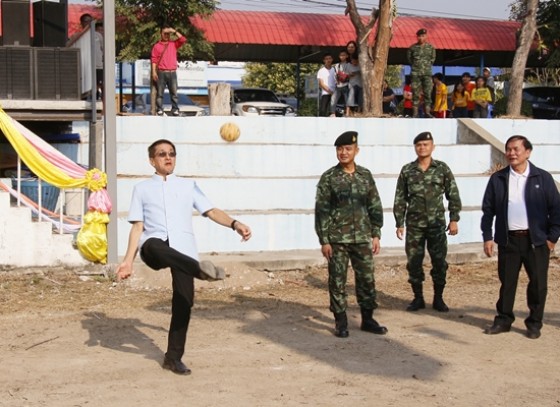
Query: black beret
[[425, 135], [347, 138], [421, 31]]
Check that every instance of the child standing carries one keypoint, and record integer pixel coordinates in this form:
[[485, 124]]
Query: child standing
[[482, 98], [460, 99], [440, 104]]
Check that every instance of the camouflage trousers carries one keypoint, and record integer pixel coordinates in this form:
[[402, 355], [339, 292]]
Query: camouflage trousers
[[416, 241], [361, 258], [419, 84]]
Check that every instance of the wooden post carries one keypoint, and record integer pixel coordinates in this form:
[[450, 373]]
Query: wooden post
[[219, 95]]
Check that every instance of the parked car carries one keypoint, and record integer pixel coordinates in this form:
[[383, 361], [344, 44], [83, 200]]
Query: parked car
[[187, 107], [258, 102], [545, 101]]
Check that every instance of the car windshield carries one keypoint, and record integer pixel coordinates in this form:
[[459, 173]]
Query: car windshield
[[254, 95]]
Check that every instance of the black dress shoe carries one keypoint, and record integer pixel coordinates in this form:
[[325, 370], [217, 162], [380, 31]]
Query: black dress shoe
[[176, 366], [533, 333], [497, 329]]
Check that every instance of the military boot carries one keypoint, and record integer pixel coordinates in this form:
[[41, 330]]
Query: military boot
[[439, 304], [371, 325], [418, 301], [341, 325], [415, 111]]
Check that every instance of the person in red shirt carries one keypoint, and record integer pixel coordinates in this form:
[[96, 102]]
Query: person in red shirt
[[469, 86], [407, 97], [164, 67]]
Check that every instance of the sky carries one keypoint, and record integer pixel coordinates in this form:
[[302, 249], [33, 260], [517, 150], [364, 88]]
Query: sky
[[477, 9]]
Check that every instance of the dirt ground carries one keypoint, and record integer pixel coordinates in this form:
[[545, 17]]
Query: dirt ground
[[266, 340]]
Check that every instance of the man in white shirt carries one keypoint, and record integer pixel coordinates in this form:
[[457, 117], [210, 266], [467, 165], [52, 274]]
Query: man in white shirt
[[161, 217], [525, 202], [327, 84]]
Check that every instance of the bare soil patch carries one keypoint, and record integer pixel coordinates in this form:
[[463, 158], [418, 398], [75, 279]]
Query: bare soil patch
[[68, 342]]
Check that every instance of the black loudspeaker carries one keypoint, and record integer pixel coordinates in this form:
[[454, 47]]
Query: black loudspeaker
[[50, 27], [16, 73], [57, 73], [15, 22]]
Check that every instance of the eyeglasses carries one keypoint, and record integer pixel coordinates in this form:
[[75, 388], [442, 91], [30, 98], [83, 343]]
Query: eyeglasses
[[163, 154]]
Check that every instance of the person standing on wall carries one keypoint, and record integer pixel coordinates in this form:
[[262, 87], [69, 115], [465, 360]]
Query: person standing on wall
[[327, 84], [419, 204], [164, 67], [421, 56], [348, 221], [525, 203]]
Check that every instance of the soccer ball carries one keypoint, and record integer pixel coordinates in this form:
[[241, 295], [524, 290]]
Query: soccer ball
[[230, 132]]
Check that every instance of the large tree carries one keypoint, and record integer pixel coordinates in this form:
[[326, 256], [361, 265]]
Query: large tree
[[525, 41], [138, 24], [373, 59]]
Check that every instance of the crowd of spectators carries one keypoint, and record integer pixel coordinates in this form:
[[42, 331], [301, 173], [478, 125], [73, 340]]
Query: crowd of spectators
[[342, 89]]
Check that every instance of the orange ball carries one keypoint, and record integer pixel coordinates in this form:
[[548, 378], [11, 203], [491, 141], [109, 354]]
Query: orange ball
[[230, 132]]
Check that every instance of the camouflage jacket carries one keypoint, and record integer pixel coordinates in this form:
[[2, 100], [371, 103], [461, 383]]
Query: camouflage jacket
[[347, 207], [421, 58], [419, 195]]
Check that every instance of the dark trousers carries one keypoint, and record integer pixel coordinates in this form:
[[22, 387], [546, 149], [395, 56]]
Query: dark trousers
[[519, 251], [415, 247], [157, 254], [325, 105], [169, 79]]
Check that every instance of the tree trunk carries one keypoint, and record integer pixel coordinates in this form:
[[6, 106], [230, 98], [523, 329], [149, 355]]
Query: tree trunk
[[528, 30], [380, 54], [374, 64], [219, 95]]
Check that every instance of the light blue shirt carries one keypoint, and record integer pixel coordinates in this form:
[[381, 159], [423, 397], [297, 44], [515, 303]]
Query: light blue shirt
[[165, 207]]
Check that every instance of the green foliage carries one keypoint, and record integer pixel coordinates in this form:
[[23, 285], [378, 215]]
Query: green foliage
[[500, 107], [548, 20], [393, 76], [548, 26], [308, 107], [138, 25], [278, 77]]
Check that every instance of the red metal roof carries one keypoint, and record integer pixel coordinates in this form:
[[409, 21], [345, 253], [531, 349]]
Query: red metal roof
[[256, 27], [294, 29]]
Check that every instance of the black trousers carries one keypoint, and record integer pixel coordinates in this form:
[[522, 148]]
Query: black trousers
[[520, 251], [325, 105], [157, 254]]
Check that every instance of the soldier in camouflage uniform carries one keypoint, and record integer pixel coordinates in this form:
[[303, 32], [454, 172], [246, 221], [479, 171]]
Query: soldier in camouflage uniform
[[348, 220], [419, 196], [421, 57]]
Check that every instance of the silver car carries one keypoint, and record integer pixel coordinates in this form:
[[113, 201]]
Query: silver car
[[187, 107], [258, 102]]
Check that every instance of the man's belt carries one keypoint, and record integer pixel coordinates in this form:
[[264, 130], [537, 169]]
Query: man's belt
[[519, 232], [166, 70]]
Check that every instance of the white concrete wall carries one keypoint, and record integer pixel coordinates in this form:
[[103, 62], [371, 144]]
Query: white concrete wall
[[24, 243], [268, 177]]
